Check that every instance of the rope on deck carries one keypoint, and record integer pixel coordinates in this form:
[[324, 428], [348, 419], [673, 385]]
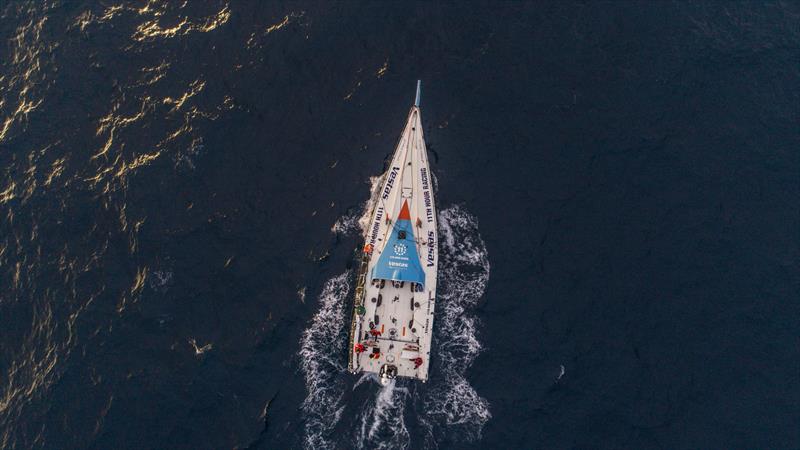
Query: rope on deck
[[358, 300]]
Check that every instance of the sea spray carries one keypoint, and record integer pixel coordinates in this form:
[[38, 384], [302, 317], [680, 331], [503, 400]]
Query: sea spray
[[321, 348], [382, 419], [450, 400]]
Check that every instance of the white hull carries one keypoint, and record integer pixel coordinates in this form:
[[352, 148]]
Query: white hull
[[396, 294]]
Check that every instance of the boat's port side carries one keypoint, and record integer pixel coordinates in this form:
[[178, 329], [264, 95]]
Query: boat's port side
[[358, 308]]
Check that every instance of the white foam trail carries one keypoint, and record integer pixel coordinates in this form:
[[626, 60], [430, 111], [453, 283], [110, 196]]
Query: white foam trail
[[347, 224], [365, 376], [382, 420], [358, 220], [463, 276], [447, 406], [374, 187], [321, 350]]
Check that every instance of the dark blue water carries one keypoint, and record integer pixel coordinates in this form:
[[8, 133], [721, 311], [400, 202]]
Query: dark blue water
[[618, 187]]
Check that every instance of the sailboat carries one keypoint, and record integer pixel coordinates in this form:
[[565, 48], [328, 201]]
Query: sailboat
[[395, 295]]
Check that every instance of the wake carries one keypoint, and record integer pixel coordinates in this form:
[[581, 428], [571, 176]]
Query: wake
[[320, 347], [447, 406]]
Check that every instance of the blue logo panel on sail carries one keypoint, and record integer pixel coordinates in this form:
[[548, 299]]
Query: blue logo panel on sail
[[399, 260]]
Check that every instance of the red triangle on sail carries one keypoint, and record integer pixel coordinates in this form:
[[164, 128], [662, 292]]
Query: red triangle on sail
[[404, 215]]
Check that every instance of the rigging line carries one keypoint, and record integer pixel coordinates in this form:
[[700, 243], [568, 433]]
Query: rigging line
[[399, 146], [390, 222], [407, 145], [386, 180], [414, 170]]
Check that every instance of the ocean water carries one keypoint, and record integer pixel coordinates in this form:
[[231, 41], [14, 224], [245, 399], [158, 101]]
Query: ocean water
[[182, 186]]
